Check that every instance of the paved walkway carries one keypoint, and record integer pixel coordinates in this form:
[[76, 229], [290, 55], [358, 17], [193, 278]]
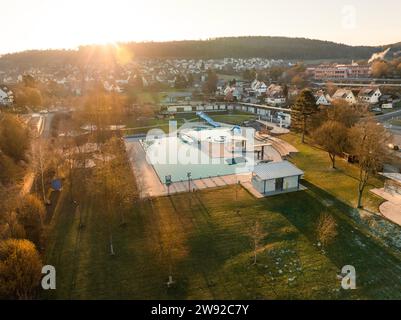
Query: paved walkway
[[391, 209], [249, 186], [275, 128], [146, 177]]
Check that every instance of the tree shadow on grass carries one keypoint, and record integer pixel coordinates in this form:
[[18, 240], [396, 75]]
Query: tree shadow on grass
[[378, 271]]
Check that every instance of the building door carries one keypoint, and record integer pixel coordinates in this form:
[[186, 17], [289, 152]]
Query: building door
[[279, 184]]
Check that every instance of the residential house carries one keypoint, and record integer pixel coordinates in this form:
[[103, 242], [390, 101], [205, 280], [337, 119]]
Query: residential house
[[275, 95], [388, 101], [221, 85], [232, 93], [6, 96], [369, 95], [322, 99], [259, 87], [276, 98]]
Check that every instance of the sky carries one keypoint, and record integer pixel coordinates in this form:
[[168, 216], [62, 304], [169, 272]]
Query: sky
[[46, 24]]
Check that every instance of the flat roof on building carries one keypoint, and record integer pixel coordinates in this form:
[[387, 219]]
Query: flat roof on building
[[393, 176]]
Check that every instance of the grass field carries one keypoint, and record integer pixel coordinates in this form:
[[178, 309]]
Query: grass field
[[148, 97], [144, 125], [341, 183], [203, 241], [236, 118]]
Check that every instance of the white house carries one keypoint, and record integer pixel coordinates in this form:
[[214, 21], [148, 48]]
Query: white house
[[276, 177], [370, 95], [6, 96], [275, 95], [234, 91], [276, 98], [322, 100], [345, 94]]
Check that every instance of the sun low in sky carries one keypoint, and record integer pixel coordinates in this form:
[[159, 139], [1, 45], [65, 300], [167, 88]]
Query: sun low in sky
[[43, 24]]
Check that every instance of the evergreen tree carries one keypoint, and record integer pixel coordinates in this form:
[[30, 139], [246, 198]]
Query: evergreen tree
[[302, 111]]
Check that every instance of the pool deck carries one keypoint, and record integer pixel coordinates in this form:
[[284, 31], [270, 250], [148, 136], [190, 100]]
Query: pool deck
[[150, 185]]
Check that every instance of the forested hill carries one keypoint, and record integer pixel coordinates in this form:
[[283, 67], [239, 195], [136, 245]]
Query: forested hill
[[236, 47], [247, 47]]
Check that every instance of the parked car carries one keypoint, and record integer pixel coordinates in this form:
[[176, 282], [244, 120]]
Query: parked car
[[377, 111]]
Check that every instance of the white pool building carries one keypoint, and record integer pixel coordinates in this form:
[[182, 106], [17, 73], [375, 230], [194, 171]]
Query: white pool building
[[276, 177]]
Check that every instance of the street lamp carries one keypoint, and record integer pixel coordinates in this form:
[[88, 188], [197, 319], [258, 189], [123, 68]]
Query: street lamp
[[189, 181], [168, 184]]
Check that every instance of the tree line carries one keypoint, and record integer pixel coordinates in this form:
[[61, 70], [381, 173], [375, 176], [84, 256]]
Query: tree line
[[343, 128], [99, 174], [21, 216], [235, 47]]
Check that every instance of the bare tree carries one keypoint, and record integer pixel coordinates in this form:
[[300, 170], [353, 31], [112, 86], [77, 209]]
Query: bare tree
[[369, 142], [45, 158], [346, 114], [114, 184], [257, 234], [332, 136]]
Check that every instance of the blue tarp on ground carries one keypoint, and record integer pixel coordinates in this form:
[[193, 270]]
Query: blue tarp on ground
[[56, 184]]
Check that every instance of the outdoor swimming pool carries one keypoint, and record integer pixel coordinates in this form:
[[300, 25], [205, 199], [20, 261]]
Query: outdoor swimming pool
[[171, 156]]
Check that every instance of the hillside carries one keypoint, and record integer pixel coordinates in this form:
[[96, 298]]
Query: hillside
[[236, 47]]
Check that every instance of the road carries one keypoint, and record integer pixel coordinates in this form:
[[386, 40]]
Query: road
[[48, 118], [45, 133], [395, 130], [388, 116]]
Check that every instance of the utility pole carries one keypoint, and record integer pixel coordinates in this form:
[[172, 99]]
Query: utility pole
[[236, 191], [168, 184], [189, 181]]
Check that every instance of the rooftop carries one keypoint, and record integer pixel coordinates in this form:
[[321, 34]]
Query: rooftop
[[273, 170], [393, 176]]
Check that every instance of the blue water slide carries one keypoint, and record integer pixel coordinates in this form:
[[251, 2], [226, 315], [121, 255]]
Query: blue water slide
[[236, 128], [209, 120]]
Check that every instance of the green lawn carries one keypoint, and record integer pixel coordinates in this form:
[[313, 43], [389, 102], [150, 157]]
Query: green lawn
[[205, 243], [396, 122], [146, 124], [148, 97], [236, 118], [341, 183]]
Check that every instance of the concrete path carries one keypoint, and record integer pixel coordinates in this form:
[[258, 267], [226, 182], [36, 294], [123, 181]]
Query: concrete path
[[146, 177], [391, 209], [276, 128]]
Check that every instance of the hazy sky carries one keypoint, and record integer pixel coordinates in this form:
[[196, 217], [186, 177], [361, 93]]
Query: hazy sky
[[41, 24]]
